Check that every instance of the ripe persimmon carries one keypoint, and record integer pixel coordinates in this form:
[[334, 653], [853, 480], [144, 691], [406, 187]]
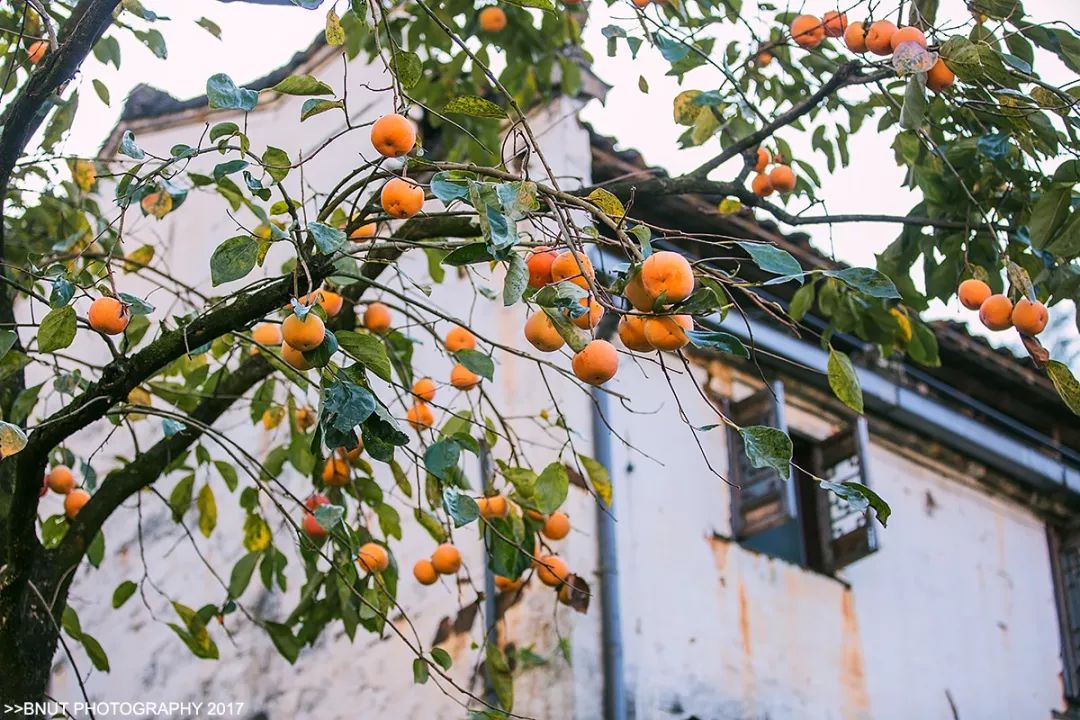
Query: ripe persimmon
[[494, 506], [364, 232], [636, 293], [393, 135], [36, 51], [335, 472], [668, 332], [108, 315], [939, 76], [330, 301], [557, 526], [996, 312], [552, 570], [373, 557], [632, 333], [879, 37], [492, 19], [761, 186], [573, 266], [377, 318], [294, 358], [424, 389], [1028, 317], [267, 334], [459, 338], [305, 417], [907, 34], [855, 37], [763, 59], [312, 528], [667, 275], [463, 378], [782, 178], [61, 480], [763, 158], [592, 316], [973, 293], [505, 584], [315, 500], [304, 335], [835, 23], [446, 559], [539, 264], [807, 31], [541, 333], [401, 199], [74, 502], [596, 363], [424, 572], [420, 416]]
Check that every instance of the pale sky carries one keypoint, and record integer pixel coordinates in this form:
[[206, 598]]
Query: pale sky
[[258, 38]]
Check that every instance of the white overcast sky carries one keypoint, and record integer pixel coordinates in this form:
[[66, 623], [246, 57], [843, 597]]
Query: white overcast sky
[[256, 39]]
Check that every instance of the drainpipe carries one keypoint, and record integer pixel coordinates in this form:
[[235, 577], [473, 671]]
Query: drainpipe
[[610, 611], [490, 601]]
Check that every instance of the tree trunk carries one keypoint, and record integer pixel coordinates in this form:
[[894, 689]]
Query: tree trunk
[[28, 634]]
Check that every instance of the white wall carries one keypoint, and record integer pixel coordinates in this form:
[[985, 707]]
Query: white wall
[[958, 599]]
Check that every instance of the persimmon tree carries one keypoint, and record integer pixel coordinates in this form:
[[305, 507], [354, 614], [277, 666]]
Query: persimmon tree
[[323, 345]]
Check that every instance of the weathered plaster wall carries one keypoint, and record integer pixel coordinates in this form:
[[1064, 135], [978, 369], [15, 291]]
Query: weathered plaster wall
[[958, 599]]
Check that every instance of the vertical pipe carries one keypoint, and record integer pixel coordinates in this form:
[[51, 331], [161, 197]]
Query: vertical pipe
[[610, 612], [490, 608]]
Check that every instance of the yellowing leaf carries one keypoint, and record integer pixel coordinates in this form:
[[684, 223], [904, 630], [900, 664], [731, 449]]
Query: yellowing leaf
[[139, 258], [607, 202], [158, 204], [256, 534], [12, 439], [335, 34], [684, 110], [729, 206], [84, 173], [1065, 383], [272, 417], [903, 323]]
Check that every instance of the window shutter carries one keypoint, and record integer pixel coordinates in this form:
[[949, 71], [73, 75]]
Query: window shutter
[[847, 534], [1065, 559], [760, 498]]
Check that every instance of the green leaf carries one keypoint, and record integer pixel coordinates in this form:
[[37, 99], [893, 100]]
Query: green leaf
[[95, 652], [545, 5], [461, 508], [767, 447], [717, 340], [154, 40], [102, 91], [314, 106], [598, 478], [180, 497], [866, 280], [129, 147], [123, 593], [328, 516], [474, 106], [801, 302], [1048, 214], [860, 497], [442, 658], [468, 255], [302, 85], [136, 305], [209, 26], [500, 677], [913, 111], [477, 362], [772, 259], [57, 329], [327, 239], [441, 456], [517, 279], [407, 67], [277, 162], [222, 93], [208, 513], [233, 259], [241, 574], [843, 380], [368, 350], [1065, 383], [95, 552], [283, 639], [419, 671], [551, 488]]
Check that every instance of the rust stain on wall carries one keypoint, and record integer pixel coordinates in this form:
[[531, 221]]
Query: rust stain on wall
[[744, 620], [856, 701], [721, 548]]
